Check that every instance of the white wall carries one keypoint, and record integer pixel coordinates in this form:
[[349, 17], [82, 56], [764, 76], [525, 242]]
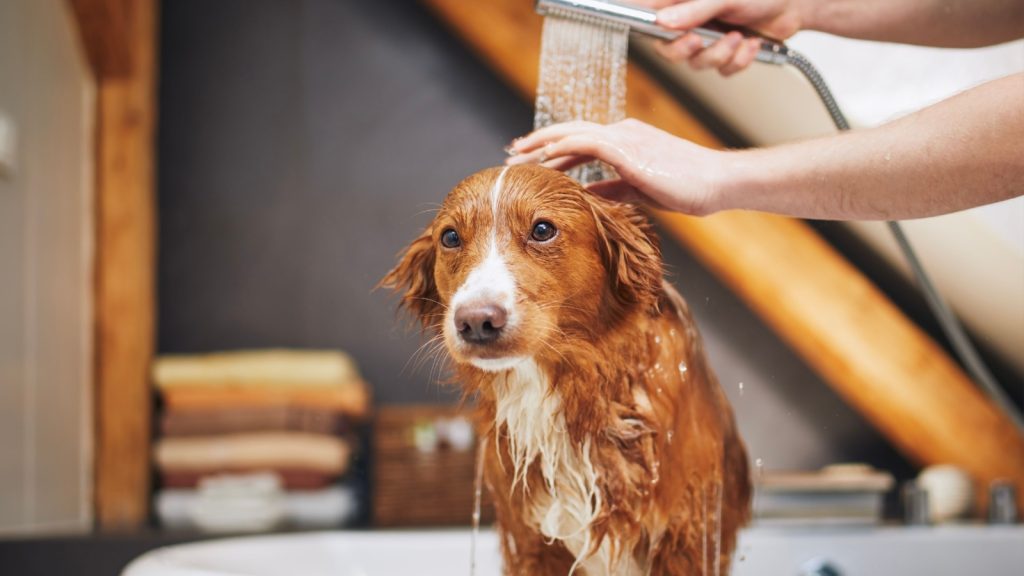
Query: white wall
[[46, 234]]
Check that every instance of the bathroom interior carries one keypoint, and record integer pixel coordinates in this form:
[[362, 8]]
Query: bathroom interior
[[195, 191]]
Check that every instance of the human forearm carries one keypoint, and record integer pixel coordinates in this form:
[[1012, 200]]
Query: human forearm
[[949, 23], [963, 152]]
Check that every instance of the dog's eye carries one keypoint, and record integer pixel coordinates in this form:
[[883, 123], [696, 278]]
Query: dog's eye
[[543, 231], [450, 239]]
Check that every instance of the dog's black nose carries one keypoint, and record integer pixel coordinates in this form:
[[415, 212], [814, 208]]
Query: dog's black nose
[[480, 323]]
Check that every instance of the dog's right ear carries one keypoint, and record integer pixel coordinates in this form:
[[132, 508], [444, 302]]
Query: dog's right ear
[[413, 277]]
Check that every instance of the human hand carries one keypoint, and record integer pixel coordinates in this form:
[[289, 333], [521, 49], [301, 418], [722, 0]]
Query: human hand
[[732, 53], [654, 167]]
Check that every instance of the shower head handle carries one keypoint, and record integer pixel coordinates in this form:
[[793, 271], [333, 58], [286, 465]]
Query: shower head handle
[[644, 21]]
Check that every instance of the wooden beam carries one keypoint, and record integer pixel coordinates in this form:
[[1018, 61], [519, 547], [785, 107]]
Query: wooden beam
[[879, 361], [104, 26], [125, 270]]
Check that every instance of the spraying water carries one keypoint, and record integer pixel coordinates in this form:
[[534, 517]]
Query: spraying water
[[718, 527], [582, 77], [477, 496]]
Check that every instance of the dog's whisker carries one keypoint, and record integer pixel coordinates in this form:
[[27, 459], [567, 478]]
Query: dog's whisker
[[432, 301], [421, 353]]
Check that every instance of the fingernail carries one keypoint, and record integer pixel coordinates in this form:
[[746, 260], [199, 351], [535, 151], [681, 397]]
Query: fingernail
[[733, 39], [513, 146]]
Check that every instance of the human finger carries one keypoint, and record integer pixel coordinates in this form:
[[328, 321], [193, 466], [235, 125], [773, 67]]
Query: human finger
[[564, 163], [535, 156], [681, 49], [655, 4], [743, 58], [591, 144], [619, 190], [547, 134], [686, 15], [719, 53]]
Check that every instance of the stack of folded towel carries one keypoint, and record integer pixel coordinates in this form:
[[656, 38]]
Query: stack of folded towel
[[251, 440]]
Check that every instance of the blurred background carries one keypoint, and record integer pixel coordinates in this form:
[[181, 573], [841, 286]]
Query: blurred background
[[189, 177]]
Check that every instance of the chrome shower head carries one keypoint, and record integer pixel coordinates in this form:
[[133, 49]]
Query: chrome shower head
[[644, 21]]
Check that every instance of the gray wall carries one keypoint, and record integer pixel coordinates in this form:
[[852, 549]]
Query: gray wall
[[303, 143]]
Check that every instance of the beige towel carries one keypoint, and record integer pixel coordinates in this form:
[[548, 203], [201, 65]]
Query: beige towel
[[270, 368], [353, 401], [314, 379], [256, 450], [235, 419]]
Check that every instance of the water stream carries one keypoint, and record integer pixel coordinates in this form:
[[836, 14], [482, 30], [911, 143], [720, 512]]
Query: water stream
[[582, 77], [477, 496]]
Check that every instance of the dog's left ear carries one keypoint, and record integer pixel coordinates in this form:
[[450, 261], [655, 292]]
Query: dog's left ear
[[414, 278], [631, 253]]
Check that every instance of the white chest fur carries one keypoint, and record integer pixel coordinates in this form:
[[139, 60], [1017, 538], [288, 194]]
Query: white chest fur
[[531, 412]]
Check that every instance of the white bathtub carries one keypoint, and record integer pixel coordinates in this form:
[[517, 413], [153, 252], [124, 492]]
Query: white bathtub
[[939, 551]]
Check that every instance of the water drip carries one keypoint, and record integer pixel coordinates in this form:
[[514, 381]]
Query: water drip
[[477, 496]]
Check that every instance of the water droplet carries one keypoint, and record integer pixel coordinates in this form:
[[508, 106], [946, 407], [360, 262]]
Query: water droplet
[[659, 390], [657, 366], [741, 388], [657, 339], [672, 332], [670, 436], [682, 367], [759, 463]]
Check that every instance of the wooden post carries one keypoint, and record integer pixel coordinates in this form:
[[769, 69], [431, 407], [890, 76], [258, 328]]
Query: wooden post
[[104, 27], [879, 361], [120, 40]]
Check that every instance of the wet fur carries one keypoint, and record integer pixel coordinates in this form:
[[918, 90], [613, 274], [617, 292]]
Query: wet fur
[[618, 421]]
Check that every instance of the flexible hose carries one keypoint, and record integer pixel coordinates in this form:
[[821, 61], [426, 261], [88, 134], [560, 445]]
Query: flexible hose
[[948, 321]]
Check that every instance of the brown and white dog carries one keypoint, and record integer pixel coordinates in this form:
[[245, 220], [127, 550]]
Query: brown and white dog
[[616, 451]]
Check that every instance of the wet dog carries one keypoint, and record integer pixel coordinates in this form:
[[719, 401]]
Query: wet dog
[[615, 449]]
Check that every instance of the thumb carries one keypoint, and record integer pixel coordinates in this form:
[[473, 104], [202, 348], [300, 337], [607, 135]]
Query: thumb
[[690, 14]]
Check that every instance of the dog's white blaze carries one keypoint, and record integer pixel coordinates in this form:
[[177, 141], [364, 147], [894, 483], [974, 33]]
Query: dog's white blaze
[[532, 415], [499, 182], [491, 281]]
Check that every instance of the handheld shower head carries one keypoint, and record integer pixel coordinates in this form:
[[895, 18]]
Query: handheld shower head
[[644, 21]]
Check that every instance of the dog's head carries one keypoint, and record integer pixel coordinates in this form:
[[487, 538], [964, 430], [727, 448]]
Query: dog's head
[[520, 259]]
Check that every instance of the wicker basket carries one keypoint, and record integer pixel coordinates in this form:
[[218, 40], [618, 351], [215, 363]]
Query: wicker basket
[[417, 482]]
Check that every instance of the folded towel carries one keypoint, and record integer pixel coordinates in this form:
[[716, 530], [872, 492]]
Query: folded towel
[[272, 368], [290, 479], [251, 419], [255, 450], [353, 401], [326, 508]]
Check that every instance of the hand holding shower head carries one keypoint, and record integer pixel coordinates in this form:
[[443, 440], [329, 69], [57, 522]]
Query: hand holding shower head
[[772, 51], [644, 21]]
